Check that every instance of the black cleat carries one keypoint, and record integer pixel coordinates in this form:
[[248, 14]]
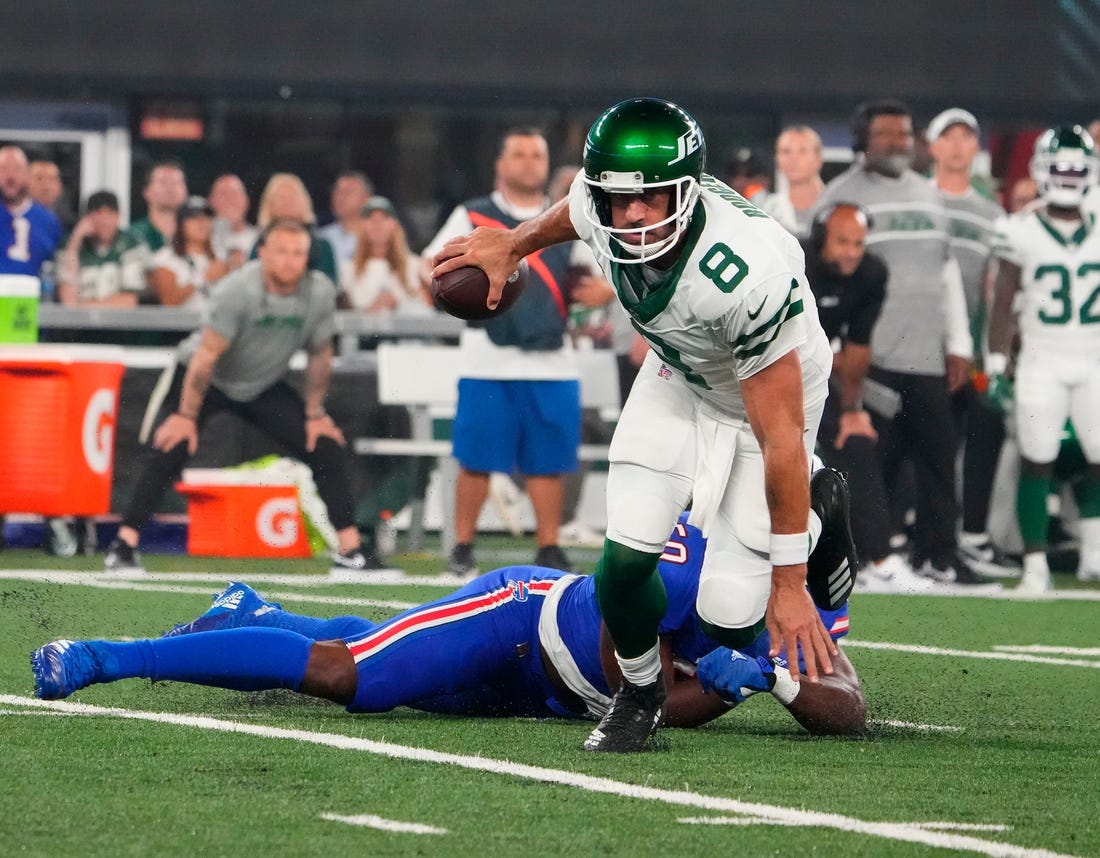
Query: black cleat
[[635, 713], [552, 557], [831, 568]]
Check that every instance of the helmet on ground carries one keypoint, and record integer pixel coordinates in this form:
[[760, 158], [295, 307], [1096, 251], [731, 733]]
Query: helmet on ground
[[635, 146], [1065, 165]]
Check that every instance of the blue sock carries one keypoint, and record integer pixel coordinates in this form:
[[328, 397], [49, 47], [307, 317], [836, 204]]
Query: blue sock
[[247, 659], [313, 627]]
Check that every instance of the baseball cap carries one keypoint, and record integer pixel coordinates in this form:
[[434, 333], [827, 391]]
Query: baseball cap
[[101, 200], [952, 116], [193, 207], [378, 204]]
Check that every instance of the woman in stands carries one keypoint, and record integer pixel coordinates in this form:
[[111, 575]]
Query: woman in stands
[[383, 276], [184, 270]]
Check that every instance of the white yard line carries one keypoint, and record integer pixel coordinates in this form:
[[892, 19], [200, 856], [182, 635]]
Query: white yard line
[[964, 653], [1094, 652], [588, 783], [369, 821], [909, 725]]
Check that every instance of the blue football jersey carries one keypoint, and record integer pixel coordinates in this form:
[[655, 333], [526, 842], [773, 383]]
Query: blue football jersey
[[29, 236]]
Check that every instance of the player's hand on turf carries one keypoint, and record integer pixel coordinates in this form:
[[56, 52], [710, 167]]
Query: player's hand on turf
[[322, 427], [491, 250], [795, 626], [175, 429]]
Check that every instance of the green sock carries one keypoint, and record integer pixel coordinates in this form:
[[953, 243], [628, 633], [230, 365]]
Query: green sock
[[631, 596], [1031, 511], [1087, 492]]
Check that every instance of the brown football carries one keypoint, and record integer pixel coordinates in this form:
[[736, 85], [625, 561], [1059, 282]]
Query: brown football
[[462, 293]]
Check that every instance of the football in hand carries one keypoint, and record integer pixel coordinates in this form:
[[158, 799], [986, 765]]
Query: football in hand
[[462, 293]]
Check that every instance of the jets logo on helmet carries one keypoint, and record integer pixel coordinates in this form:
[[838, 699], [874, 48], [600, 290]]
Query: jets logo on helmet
[[636, 146], [1065, 165]]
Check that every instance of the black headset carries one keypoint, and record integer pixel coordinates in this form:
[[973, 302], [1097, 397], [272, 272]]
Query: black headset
[[868, 110], [820, 225]]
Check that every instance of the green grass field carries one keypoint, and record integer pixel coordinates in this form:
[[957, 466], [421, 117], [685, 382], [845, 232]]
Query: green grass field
[[975, 748]]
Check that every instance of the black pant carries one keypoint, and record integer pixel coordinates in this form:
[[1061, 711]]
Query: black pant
[[280, 412], [983, 433], [922, 431], [859, 459]]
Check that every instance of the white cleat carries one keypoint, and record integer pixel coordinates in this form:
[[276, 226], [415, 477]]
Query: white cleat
[[1035, 580], [893, 575]]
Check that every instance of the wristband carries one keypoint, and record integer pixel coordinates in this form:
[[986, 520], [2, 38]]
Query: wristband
[[788, 549], [854, 408], [194, 418], [317, 415], [995, 364]]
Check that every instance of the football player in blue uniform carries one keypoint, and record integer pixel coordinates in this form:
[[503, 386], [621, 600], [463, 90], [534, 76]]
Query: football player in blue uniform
[[522, 640]]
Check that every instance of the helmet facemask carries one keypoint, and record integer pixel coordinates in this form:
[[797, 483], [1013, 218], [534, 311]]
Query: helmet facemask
[[685, 193], [1065, 173]]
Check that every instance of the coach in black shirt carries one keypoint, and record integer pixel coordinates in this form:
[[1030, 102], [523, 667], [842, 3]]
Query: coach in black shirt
[[849, 285]]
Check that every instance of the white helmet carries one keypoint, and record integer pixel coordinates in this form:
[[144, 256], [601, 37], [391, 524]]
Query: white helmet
[[1065, 165]]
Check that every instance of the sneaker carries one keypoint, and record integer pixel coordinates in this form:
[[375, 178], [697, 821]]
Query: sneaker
[[461, 562], [831, 567], [355, 560], [1035, 579], [552, 557], [953, 571], [982, 555], [634, 715], [579, 535], [62, 667], [1088, 576], [232, 609], [60, 538], [122, 558], [893, 575]]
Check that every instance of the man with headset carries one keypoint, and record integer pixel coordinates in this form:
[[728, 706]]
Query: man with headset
[[850, 287]]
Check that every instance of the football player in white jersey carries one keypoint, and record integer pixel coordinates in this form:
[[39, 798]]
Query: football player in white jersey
[[1049, 275], [724, 411]]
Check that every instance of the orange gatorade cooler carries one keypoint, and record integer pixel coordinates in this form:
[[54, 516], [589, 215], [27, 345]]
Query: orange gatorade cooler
[[58, 407], [241, 513]]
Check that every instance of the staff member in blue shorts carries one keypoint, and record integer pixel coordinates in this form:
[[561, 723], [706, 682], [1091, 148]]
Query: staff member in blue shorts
[[521, 640]]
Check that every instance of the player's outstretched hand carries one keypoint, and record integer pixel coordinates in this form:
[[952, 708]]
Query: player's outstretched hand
[[175, 429], [795, 626], [491, 250], [322, 427]]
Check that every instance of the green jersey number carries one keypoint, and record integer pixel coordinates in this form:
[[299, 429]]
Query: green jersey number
[[724, 268], [1062, 292]]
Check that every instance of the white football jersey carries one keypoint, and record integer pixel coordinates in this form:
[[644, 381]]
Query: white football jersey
[[735, 300], [1059, 279]]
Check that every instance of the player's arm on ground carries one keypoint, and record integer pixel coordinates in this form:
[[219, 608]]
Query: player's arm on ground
[[318, 374], [497, 252], [183, 424], [686, 705], [773, 403]]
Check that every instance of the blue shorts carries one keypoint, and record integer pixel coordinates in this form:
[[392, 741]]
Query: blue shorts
[[530, 426], [474, 652]]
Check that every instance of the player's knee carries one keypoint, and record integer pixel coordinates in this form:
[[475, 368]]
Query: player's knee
[[330, 672], [741, 638], [622, 566]]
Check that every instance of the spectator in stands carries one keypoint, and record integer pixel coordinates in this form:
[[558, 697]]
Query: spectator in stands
[[519, 385], [750, 175], [383, 276], [922, 348], [264, 312], [850, 286], [47, 190], [798, 160], [165, 191], [350, 193], [1023, 192], [185, 268], [285, 198], [233, 236], [102, 266], [953, 143]]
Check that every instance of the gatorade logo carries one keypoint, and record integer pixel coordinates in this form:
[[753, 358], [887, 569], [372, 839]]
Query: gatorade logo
[[277, 522], [98, 430]]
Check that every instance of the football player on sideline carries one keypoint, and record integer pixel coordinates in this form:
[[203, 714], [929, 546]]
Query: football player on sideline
[[724, 411], [1049, 255], [521, 641]]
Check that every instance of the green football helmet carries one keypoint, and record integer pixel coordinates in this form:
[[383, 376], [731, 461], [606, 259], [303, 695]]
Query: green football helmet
[[638, 145], [1065, 165]]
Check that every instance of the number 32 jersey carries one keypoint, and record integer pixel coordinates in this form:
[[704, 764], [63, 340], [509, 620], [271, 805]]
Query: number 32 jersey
[[1059, 304], [733, 302]]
